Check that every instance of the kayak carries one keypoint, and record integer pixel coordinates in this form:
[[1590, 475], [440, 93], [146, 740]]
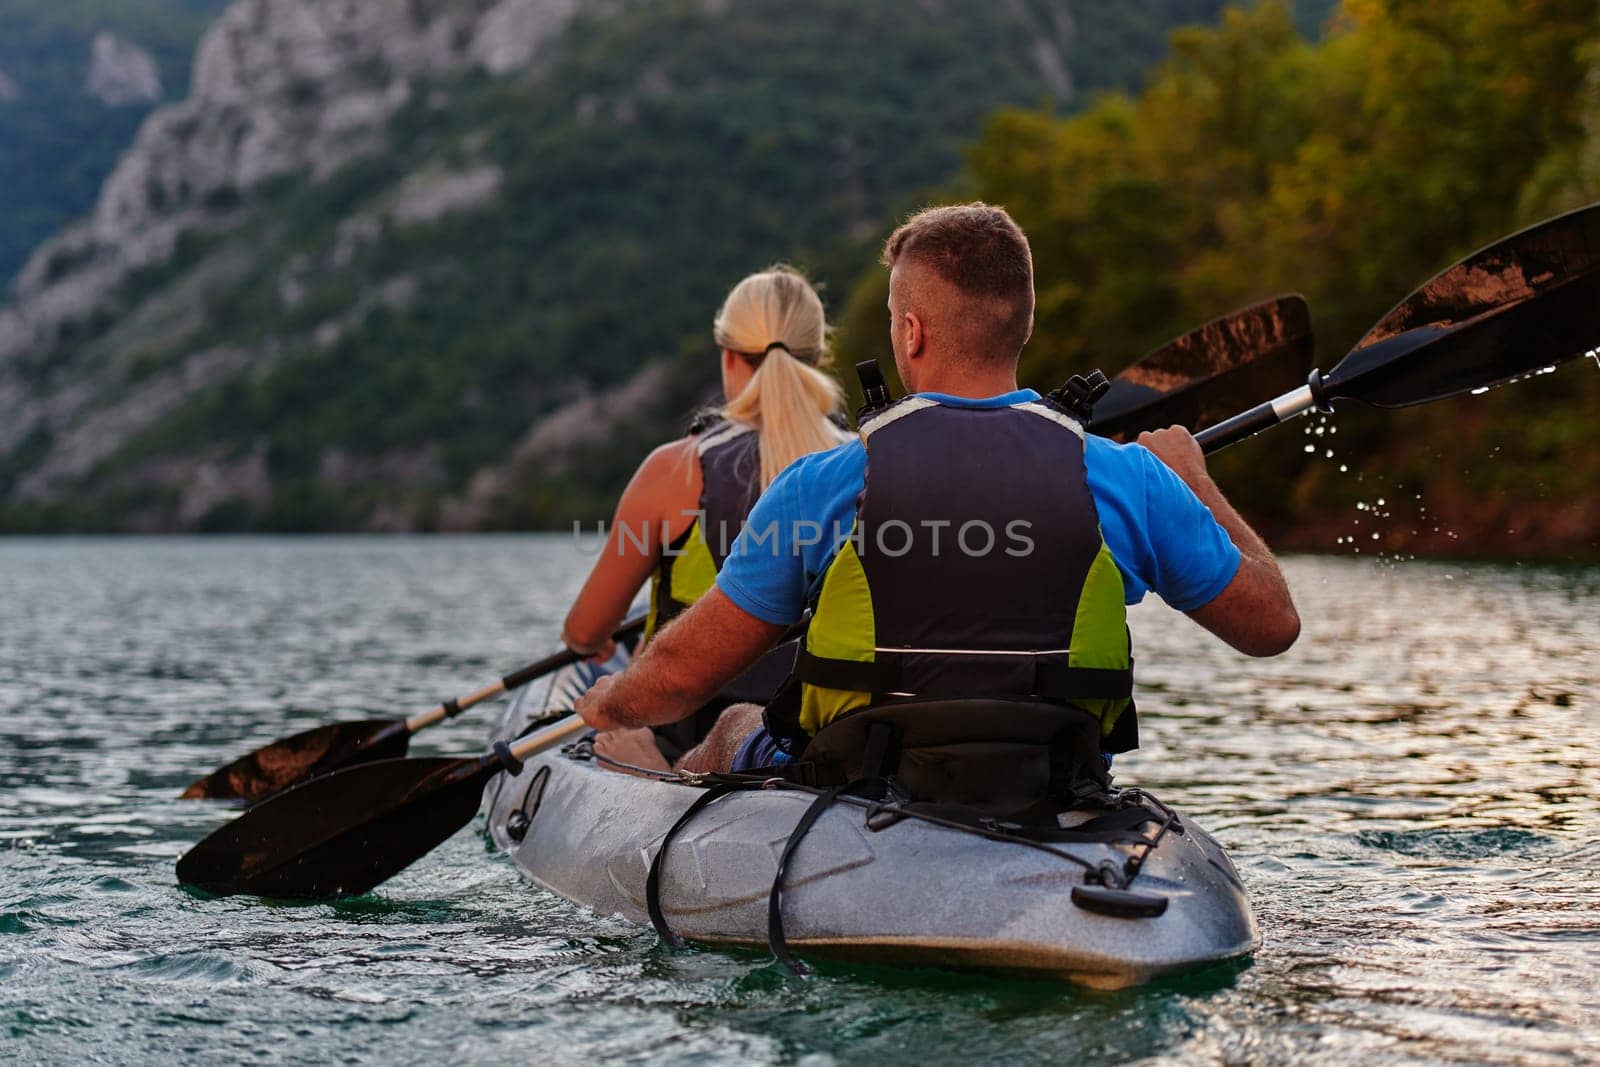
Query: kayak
[[866, 885]]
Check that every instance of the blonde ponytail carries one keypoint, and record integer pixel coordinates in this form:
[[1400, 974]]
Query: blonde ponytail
[[777, 317]]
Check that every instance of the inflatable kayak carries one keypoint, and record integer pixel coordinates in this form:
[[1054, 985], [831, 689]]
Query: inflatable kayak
[[1119, 895]]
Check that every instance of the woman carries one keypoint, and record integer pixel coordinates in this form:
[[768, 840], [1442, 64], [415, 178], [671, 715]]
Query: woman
[[682, 511]]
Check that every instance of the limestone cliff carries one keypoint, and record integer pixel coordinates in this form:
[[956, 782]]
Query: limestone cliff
[[280, 88], [120, 72], [450, 263]]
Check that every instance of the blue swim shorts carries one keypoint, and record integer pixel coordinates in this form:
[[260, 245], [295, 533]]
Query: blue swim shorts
[[759, 750]]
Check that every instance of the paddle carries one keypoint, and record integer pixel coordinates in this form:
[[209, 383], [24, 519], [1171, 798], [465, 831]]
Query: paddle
[[1260, 350], [1523, 304], [291, 760], [343, 833]]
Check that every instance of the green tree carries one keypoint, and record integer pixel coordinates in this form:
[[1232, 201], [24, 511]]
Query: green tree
[[1256, 162]]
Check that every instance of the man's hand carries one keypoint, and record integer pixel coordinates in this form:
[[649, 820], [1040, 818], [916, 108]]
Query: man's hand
[[1176, 447], [682, 667], [593, 706]]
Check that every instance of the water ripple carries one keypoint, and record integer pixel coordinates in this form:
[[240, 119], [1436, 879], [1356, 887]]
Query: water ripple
[[1409, 796]]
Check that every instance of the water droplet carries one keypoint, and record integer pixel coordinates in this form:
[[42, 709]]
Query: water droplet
[[1311, 448], [1343, 469], [1380, 501], [1374, 535], [1328, 454]]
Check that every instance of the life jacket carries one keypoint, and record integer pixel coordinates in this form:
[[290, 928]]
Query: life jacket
[[729, 454], [975, 570]]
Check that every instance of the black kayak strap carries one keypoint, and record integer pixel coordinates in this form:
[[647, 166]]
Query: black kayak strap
[[1051, 680], [652, 884], [775, 937], [776, 941]]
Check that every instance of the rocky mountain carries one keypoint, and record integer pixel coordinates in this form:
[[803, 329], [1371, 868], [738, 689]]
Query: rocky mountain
[[451, 263], [120, 72], [76, 79]]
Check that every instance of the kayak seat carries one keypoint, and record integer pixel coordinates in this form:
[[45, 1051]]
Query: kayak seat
[[1021, 760]]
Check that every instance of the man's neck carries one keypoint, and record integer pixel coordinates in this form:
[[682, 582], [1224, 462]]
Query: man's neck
[[970, 386]]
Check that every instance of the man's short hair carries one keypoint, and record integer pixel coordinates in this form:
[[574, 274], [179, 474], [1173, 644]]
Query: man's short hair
[[981, 251]]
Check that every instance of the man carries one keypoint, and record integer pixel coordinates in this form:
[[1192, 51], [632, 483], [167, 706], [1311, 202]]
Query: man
[[1046, 532]]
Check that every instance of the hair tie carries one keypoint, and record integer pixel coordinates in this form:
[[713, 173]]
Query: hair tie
[[777, 344]]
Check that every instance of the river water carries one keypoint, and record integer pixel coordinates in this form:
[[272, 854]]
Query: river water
[[1410, 795]]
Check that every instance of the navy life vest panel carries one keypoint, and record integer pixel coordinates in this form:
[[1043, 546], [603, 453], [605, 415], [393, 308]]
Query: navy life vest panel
[[729, 454], [975, 570]]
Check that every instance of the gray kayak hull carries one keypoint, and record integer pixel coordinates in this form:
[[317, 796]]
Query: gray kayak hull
[[912, 893]]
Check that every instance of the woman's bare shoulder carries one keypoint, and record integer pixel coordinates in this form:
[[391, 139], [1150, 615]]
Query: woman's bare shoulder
[[673, 454], [668, 476]]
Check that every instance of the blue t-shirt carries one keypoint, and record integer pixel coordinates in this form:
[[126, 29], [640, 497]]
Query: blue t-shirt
[[1164, 540]]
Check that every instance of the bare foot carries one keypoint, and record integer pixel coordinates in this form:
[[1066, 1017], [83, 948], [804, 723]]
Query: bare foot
[[636, 747]]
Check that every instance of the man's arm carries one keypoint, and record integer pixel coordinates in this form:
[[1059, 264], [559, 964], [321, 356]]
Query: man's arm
[[1254, 612], [682, 668]]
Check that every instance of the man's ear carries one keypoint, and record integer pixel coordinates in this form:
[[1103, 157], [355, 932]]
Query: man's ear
[[915, 337]]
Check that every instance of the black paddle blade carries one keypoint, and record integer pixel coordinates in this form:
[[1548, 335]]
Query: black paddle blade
[[291, 760], [1524, 303], [1204, 376], [341, 834]]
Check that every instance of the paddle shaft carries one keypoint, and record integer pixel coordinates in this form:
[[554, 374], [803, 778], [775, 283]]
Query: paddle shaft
[[556, 733], [515, 680], [549, 737], [1263, 416]]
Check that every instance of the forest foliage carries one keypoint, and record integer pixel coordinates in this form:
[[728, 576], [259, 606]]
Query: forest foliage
[[1349, 169]]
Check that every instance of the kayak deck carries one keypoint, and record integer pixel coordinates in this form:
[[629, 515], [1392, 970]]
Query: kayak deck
[[905, 892]]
